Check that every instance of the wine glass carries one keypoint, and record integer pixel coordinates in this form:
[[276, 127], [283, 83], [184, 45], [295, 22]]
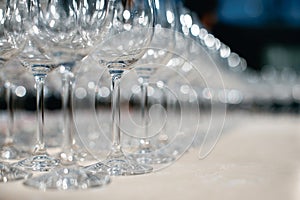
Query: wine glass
[[211, 88], [12, 39], [60, 27], [8, 150], [11, 73], [131, 30], [39, 66], [9, 48], [71, 29], [163, 42]]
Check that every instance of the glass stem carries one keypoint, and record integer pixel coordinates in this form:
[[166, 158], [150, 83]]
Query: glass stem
[[165, 100], [144, 112], [40, 143], [116, 115], [10, 112], [68, 130]]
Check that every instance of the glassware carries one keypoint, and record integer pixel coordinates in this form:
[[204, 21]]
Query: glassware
[[163, 42], [32, 59], [9, 73], [131, 30], [8, 150], [11, 173], [12, 39], [58, 38], [11, 43], [59, 25], [40, 66], [211, 88], [70, 29]]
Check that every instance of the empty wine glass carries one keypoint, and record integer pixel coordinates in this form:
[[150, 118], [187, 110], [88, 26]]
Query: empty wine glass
[[10, 72], [130, 32], [159, 52], [58, 24], [71, 29], [10, 45], [55, 32], [12, 39], [39, 65], [32, 59]]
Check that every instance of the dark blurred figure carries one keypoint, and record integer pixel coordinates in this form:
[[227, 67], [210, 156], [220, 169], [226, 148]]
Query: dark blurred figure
[[206, 11]]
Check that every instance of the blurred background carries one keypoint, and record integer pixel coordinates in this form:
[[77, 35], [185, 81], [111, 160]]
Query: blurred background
[[264, 32]]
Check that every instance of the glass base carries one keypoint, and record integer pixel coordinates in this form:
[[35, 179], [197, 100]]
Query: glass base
[[145, 157], [68, 178], [39, 163], [11, 173], [73, 155], [120, 166], [10, 152]]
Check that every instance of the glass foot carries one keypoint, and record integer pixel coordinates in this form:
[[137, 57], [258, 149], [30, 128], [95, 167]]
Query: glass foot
[[73, 155], [120, 166], [9, 152], [145, 157], [68, 178], [11, 173], [39, 163]]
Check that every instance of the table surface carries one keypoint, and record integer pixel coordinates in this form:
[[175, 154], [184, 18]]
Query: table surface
[[256, 158]]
